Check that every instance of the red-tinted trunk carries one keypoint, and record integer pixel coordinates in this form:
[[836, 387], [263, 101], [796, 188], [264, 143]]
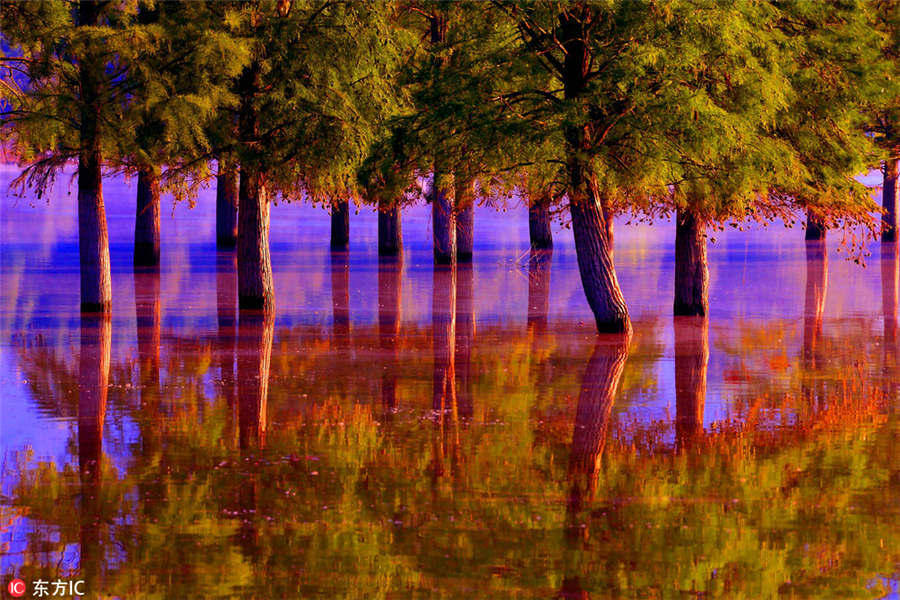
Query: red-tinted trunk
[[691, 270], [814, 307], [465, 338], [340, 225], [890, 290], [890, 196], [443, 321], [255, 334], [691, 360], [146, 222], [226, 313], [390, 302], [227, 186], [815, 227], [340, 298]]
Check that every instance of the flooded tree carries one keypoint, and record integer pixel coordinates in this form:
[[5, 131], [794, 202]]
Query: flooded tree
[[340, 225], [540, 233], [390, 305], [227, 186], [465, 338], [691, 360], [340, 298]]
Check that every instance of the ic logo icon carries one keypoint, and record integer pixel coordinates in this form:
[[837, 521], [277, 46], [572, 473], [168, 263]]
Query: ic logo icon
[[16, 588]]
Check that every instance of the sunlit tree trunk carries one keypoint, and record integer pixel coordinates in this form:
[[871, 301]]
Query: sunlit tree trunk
[[390, 302], [340, 225], [890, 197], [608, 218], [227, 186], [539, 224], [691, 270], [146, 222], [93, 236], [443, 219], [340, 298], [255, 333], [815, 226], [465, 217], [691, 360], [595, 264], [390, 232], [465, 338]]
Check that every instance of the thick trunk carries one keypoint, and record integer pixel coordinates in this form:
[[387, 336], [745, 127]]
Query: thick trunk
[[539, 230], [691, 270], [340, 225], [146, 222], [465, 217], [93, 237], [595, 400], [691, 360], [890, 197], [390, 233], [390, 302], [814, 308], [443, 219], [255, 333], [226, 205], [340, 298], [465, 338], [256, 291], [815, 227]]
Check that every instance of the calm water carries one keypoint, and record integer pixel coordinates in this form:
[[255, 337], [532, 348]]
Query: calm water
[[398, 431]]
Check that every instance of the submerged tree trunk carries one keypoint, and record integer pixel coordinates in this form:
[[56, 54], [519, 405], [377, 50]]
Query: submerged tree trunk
[[814, 307], [390, 303], [691, 360], [598, 276], [226, 313], [890, 290], [148, 317], [340, 225], [815, 226], [539, 290], [340, 298], [539, 229], [465, 218], [443, 219], [890, 197], [146, 222], [691, 270], [93, 237], [465, 338], [443, 402], [226, 205], [255, 334], [390, 233]]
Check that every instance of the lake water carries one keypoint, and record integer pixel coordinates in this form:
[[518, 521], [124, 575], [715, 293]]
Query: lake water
[[397, 431]]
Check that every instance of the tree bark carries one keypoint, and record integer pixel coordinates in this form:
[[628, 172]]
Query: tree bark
[[227, 185], [539, 224], [691, 270], [598, 276], [465, 339], [465, 217], [340, 225], [340, 298], [608, 217], [146, 222], [256, 290], [390, 232], [691, 360], [93, 236], [443, 219], [815, 227], [890, 196], [255, 335], [390, 303]]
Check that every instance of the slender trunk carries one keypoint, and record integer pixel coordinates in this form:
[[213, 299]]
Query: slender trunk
[[598, 276], [691, 360], [539, 230], [340, 225], [890, 196], [691, 270], [444, 406], [465, 217], [814, 308], [890, 290], [148, 317], [93, 385], [146, 222], [340, 298], [465, 339], [539, 290], [443, 219], [390, 233], [390, 303], [227, 185], [93, 237], [255, 334], [815, 226], [226, 313]]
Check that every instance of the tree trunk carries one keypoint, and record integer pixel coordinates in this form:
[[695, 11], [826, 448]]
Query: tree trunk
[[340, 298], [93, 237], [814, 307], [390, 303], [890, 196], [443, 219], [598, 276], [255, 334], [691, 360], [539, 224], [443, 402], [465, 339], [390, 233], [256, 291], [226, 316], [340, 225], [148, 317], [890, 290], [146, 222], [691, 271], [539, 290], [465, 217], [815, 227], [608, 216], [226, 205]]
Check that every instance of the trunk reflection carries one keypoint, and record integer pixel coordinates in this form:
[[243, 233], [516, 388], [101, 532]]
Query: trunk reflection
[[691, 359]]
